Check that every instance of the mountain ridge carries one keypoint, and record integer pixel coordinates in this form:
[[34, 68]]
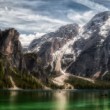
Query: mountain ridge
[[96, 30], [73, 50]]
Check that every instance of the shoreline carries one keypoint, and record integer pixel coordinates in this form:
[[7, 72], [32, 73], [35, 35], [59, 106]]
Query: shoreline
[[73, 90]]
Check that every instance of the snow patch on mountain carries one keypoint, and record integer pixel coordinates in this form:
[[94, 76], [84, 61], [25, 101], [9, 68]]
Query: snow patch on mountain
[[66, 49], [68, 42], [104, 30]]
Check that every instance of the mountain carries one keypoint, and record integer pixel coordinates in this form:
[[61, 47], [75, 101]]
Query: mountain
[[71, 57], [82, 51], [52, 46], [11, 49], [14, 71], [94, 58]]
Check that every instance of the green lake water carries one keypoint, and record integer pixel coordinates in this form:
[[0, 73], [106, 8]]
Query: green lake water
[[55, 100]]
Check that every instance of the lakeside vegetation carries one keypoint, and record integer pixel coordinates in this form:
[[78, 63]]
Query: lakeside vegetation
[[27, 80], [79, 83]]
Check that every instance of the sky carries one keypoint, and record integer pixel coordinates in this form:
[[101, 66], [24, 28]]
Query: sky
[[34, 18]]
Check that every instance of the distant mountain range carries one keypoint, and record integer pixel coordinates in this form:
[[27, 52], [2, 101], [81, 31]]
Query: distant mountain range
[[71, 57]]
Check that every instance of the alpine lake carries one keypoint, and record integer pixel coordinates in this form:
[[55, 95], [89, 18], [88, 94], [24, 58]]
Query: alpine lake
[[55, 100]]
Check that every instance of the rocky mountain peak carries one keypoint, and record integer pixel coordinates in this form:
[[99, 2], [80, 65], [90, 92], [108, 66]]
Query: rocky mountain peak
[[93, 44], [54, 41], [71, 44], [68, 29], [99, 19], [100, 23], [11, 48], [64, 32], [8, 38], [70, 41]]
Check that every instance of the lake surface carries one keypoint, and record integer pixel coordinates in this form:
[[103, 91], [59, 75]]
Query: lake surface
[[55, 100]]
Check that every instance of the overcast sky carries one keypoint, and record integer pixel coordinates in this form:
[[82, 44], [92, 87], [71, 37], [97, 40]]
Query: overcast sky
[[33, 18]]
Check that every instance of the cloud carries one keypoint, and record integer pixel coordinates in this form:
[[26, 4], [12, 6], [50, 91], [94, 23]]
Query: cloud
[[23, 19], [26, 39], [80, 18], [43, 16], [92, 5]]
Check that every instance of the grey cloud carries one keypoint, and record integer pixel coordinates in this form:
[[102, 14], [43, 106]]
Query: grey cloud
[[42, 16]]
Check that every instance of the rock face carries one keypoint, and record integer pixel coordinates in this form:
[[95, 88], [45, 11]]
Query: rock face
[[18, 70], [93, 60], [11, 50], [82, 51], [10, 47], [50, 46]]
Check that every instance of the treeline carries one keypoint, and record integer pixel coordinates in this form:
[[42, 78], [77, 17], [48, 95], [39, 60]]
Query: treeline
[[79, 83]]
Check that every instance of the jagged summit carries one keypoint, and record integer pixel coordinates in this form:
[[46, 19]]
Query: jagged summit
[[64, 32], [96, 30], [99, 18], [100, 22], [66, 45], [93, 60]]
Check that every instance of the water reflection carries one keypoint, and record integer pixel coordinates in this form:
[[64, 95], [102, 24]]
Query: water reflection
[[54, 100], [60, 98], [12, 100]]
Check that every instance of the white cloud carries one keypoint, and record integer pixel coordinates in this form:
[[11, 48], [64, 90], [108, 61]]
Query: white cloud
[[26, 20], [22, 18], [26, 39], [80, 18], [92, 5]]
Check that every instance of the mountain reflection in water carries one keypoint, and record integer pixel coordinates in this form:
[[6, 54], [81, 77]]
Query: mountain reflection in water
[[55, 100]]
